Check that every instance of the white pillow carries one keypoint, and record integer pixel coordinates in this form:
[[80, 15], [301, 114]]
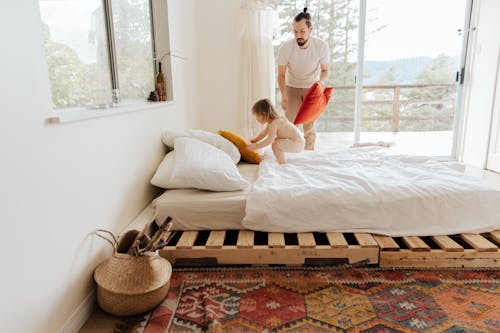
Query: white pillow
[[214, 139], [197, 164], [163, 175]]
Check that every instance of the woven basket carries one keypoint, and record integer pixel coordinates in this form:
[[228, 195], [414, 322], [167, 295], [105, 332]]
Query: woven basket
[[129, 285]]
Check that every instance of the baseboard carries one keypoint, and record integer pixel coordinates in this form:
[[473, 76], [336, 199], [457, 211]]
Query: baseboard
[[81, 314]]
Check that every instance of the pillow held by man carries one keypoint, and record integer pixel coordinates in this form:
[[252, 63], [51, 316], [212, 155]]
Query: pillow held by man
[[314, 103]]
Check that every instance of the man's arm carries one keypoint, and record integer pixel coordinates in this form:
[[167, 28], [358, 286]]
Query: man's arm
[[325, 71], [282, 86]]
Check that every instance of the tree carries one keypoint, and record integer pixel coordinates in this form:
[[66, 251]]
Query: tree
[[68, 75], [436, 103], [134, 47]]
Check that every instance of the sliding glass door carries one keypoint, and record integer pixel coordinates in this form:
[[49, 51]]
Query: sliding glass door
[[395, 68], [412, 54]]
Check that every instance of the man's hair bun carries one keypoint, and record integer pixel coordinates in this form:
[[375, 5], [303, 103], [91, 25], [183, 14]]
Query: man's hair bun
[[304, 15]]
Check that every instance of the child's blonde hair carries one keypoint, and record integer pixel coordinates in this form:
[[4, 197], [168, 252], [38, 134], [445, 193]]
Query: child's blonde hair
[[265, 108]]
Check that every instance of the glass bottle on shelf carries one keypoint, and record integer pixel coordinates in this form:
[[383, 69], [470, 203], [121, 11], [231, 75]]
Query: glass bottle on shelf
[[160, 84]]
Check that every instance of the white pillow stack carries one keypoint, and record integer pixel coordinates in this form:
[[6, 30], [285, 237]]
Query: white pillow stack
[[214, 139], [196, 164]]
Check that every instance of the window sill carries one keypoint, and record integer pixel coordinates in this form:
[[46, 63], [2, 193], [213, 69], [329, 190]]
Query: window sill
[[78, 114]]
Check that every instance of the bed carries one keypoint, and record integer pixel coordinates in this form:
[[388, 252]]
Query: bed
[[195, 209], [360, 205]]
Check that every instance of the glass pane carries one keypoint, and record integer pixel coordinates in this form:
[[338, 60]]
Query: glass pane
[[76, 52], [336, 22], [134, 48], [412, 53]]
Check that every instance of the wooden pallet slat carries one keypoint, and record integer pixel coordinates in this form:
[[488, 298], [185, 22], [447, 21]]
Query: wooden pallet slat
[[439, 259], [479, 243], [306, 239], [386, 243], [187, 239], [216, 239], [447, 244], [245, 239], [165, 236], [276, 239], [365, 239], [495, 235], [336, 239], [416, 243], [258, 255]]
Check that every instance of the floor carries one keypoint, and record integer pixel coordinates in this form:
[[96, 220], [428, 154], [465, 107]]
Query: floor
[[100, 322], [436, 143]]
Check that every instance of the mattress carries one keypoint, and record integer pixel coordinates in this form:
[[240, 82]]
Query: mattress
[[369, 190], [193, 209]]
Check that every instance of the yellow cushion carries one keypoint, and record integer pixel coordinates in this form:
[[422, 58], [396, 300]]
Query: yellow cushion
[[250, 156]]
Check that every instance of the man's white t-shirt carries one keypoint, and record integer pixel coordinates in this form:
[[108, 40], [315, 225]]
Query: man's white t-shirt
[[303, 65]]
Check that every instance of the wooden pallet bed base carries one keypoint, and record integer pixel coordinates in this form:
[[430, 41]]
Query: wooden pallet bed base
[[249, 247], [457, 251], [276, 249]]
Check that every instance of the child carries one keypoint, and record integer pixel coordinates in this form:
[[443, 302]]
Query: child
[[284, 135]]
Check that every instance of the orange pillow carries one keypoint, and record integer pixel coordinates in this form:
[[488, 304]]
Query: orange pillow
[[314, 104], [250, 156]]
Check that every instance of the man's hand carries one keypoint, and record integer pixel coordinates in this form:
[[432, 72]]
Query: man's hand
[[252, 146], [253, 141], [284, 104]]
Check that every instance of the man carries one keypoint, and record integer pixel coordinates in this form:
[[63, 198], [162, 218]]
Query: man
[[301, 62]]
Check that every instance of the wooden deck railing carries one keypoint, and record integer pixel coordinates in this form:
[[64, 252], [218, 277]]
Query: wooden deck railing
[[396, 102]]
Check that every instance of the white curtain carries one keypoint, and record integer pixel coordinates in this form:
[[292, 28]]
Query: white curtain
[[258, 69]]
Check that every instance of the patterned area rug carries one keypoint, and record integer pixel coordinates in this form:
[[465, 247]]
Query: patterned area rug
[[329, 300]]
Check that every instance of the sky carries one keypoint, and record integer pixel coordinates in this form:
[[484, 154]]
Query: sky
[[70, 22], [414, 28]]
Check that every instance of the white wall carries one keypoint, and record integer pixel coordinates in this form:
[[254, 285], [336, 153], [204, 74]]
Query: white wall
[[480, 81], [60, 182], [219, 65]]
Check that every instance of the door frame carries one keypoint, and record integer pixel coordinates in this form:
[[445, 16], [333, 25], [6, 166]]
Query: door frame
[[492, 161], [459, 114]]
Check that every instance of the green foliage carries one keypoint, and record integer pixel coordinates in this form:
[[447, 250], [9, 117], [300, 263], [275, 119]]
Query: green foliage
[[134, 47], [69, 77]]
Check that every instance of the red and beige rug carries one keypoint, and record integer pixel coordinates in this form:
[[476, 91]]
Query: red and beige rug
[[328, 300]]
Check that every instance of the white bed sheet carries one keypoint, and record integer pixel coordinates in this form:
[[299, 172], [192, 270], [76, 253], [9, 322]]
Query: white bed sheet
[[193, 209], [368, 190]]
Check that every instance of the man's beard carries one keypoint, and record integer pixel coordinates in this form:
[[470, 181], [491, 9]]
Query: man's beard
[[301, 41]]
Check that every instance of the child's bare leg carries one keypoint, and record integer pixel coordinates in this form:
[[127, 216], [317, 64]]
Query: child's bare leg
[[280, 155]]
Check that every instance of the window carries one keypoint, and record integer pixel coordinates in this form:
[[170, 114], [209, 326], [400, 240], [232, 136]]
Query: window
[[98, 52]]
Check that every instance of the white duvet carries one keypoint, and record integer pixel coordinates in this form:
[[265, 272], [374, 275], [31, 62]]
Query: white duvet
[[369, 190]]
